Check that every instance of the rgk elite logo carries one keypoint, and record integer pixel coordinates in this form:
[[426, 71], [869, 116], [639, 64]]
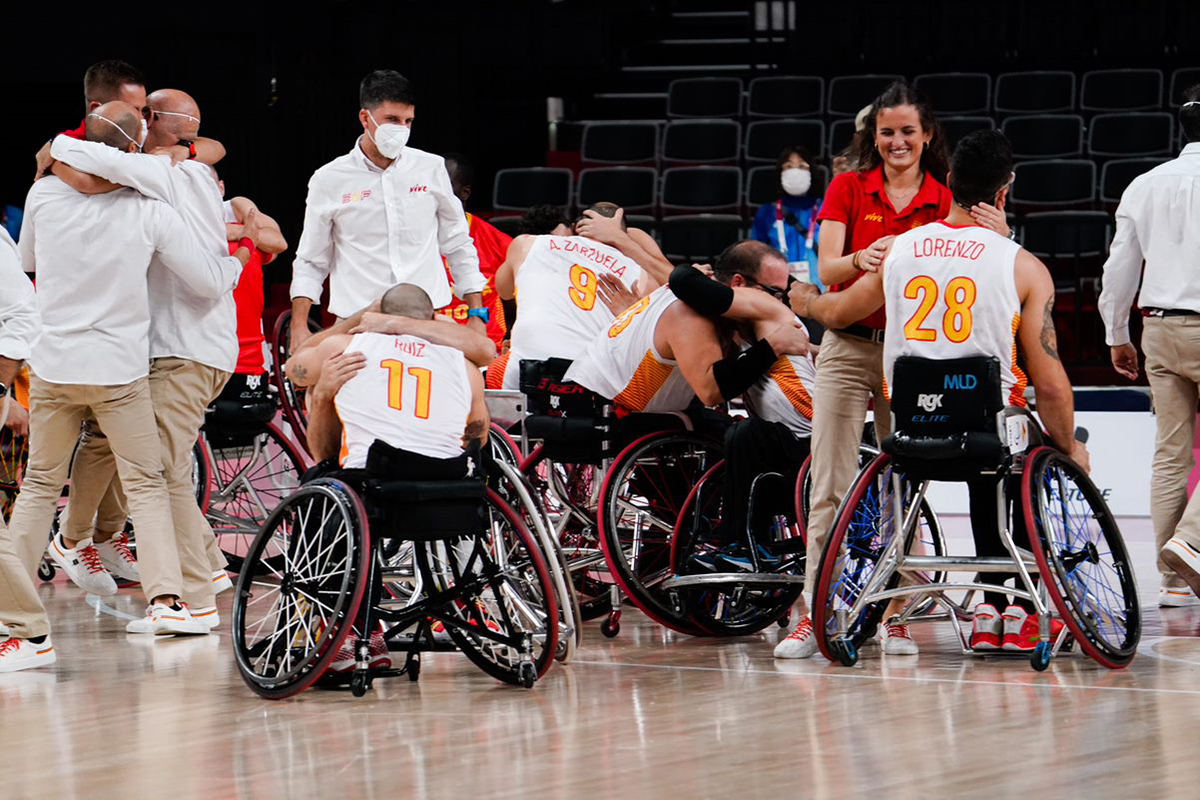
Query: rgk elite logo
[[929, 402]]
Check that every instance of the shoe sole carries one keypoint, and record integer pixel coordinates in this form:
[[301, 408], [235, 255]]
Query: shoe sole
[[30, 663], [1181, 567]]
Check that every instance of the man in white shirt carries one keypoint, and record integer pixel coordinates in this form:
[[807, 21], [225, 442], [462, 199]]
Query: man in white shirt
[[383, 214], [1158, 221], [92, 255], [193, 337], [24, 629]]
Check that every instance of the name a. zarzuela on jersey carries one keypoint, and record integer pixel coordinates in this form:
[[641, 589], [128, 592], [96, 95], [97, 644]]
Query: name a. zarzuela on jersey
[[592, 254]]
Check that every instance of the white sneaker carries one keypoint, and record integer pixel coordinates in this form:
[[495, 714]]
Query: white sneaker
[[1175, 597], [1184, 559], [208, 615], [83, 566], [19, 654], [987, 629], [221, 582], [163, 620], [896, 639], [118, 558], [800, 643]]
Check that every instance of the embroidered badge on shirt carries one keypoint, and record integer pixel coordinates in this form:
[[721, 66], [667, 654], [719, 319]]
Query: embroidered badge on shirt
[[354, 197]]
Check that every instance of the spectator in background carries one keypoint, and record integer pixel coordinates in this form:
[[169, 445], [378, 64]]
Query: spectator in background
[[490, 244], [1158, 221], [789, 222]]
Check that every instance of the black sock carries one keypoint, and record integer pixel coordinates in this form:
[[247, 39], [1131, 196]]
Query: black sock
[[37, 639]]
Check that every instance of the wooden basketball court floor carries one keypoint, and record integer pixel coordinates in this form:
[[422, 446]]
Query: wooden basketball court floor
[[647, 715]]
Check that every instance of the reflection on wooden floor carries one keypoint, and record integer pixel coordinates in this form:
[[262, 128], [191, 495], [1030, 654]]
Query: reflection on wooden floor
[[647, 715]]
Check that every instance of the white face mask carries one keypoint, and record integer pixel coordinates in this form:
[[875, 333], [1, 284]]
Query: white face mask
[[389, 137], [145, 132], [120, 130], [796, 180]]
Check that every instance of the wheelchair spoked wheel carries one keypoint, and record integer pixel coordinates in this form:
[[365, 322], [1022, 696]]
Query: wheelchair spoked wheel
[[503, 447], [291, 397], [516, 492], [866, 452], [862, 531], [14, 454], [510, 590], [1079, 546], [200, 471], [730, 610], [300, 589], [251, 478], [640, 500]]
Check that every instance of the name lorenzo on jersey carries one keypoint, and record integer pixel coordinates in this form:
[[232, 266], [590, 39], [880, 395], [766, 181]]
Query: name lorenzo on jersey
[[592, 254], [932, 246]]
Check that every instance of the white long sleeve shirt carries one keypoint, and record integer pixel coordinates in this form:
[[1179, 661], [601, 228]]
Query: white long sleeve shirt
[[19, 320], [183, 324], [1158, 220], [367, 229], [91, 254]]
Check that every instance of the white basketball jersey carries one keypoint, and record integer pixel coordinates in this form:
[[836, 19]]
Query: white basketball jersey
[[784, 394], [623, 365], [559, 310], [951, 293], [411, 394]]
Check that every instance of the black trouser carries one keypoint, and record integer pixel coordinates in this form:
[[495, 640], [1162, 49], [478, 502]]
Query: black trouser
[[985, 527], [754, 446]]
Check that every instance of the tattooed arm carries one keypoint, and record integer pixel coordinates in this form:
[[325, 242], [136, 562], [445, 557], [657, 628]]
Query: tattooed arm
[[1039, 345], [479, 421]]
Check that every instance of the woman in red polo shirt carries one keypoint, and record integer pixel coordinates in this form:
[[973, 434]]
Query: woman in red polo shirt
[[900, 184]]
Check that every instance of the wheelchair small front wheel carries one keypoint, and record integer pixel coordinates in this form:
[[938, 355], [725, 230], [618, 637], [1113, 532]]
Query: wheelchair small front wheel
[[1040, 659], [845, 652], [46, 570]]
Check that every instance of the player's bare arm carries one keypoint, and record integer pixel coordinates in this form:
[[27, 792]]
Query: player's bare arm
[[838, 309], [324, 432], [479, 422], [475, 346], [506, 273]]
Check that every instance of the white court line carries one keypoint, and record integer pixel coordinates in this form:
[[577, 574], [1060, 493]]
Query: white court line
[[857, 676]]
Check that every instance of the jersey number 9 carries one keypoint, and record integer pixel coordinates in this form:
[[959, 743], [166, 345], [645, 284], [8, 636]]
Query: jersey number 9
[[583, 287]]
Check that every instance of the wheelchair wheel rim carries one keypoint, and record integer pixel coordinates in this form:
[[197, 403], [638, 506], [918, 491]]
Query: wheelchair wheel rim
[[1079, 546]]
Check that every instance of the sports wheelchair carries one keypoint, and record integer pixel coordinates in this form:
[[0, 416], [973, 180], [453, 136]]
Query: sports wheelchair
[[291, 397], [613, 486], [951, 425], [318, 572]]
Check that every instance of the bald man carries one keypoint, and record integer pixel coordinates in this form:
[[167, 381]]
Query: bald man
[[94, 256], [193, 341]]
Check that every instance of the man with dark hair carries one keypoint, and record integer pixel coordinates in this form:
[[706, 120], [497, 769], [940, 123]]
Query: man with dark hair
[[1158, 222], [382, 214], [544, 219], [490, 245], [954, 289]]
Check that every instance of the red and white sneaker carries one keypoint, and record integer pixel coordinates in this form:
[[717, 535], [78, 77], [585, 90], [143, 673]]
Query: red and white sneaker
[[83, 566], [346, 658], [118, 559], [1021, 630], [987, 628], [897, 640], [18, 654], [800, 643]]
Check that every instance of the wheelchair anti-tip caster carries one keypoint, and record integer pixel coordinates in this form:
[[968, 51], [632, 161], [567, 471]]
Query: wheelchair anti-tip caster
[[845, 651], [360, 681], [785, 621], [414, 668], [611, 626], [46, 571], [527, 674], [1041, 656]]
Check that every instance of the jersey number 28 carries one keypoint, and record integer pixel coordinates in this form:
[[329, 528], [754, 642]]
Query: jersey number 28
[[956, 322]]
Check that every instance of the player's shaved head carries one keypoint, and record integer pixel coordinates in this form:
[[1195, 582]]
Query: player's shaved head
[[115, 124], [407, 300]]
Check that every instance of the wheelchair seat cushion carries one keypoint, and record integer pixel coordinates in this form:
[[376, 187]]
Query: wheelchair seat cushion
[[226, 415]]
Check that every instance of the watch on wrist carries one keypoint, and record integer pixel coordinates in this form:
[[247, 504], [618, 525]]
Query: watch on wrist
[[482, 313], [191, 147]]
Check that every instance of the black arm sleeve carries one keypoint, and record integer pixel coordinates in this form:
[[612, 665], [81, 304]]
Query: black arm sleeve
[[699, 291], [736, 374]]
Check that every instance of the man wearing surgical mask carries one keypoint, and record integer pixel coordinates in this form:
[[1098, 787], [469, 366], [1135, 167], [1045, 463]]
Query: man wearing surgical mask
[[384, 213], [788, 223]]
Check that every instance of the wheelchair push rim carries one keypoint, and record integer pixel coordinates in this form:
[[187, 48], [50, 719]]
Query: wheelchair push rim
[[306, 608], [669, 463], [291, 399], [1079, 547]]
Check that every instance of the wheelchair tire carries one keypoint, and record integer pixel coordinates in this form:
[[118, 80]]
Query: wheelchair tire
[[291, 398], [718, 610], [866, 452], [247, 494], [1079, 545], [848, 561], [313, 555], [200, 474], [512, 594], [668, 463], [503, 446]]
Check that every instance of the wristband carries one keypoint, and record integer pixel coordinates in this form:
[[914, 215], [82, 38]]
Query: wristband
[[703, 294], [736, 374], [482, 313], [247, 243]]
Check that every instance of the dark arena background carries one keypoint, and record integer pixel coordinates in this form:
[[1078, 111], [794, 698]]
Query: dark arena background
[[676, 110]]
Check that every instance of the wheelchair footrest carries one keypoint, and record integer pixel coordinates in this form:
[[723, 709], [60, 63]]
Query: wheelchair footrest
[[404, 643], [963, 564], [759, 580]]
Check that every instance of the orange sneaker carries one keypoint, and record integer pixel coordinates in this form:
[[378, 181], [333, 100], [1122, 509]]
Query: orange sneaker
[[1021, 630]]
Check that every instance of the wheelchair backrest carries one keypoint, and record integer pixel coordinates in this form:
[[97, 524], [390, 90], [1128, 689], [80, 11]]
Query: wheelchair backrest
[[547, 393], [940, 397]]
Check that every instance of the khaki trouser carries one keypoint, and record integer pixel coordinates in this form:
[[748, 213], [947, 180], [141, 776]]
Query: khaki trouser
[[93, 457], [849, 372], [1172, 347], [181, 391], [126, 415], [20, 607]]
